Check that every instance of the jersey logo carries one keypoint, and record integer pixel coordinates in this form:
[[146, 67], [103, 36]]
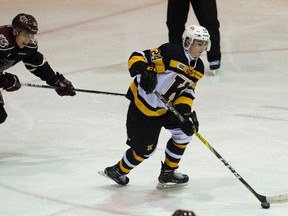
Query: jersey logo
[[149, 147], [3, 41], [178, 85], [24, 20], [33, 41]]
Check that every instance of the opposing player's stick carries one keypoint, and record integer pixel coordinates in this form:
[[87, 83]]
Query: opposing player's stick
[[265, 200], [76, 89]]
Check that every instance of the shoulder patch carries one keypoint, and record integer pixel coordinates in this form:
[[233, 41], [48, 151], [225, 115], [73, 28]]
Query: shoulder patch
[[179, 65], [3, 41]]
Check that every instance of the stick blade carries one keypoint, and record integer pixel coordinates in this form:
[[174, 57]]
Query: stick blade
[[283, 198]]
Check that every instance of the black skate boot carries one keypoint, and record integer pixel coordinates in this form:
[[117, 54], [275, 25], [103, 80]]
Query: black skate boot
[[214, 66], [171, 178], [114, 174]]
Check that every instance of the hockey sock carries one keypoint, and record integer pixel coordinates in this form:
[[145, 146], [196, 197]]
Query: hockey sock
[[129, 161], [173, 154]]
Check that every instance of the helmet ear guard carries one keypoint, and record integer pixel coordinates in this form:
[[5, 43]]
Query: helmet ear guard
[[194, 32], [25, 22]]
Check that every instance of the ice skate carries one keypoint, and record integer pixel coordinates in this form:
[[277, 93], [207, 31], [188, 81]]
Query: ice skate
[[214, 66], [114, 174], [171, 178]]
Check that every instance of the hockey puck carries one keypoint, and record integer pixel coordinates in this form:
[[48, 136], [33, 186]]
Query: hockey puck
[[265, 205]]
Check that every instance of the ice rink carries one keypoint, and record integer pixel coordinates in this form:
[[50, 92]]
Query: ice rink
[[52, 147]]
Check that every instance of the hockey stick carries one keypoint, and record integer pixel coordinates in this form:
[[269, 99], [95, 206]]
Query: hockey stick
[[78, 90], [265, 200]]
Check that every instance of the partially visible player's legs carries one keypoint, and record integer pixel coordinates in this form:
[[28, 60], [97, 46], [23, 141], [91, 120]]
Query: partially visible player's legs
[[119, 171], [3, 114], [175, 148], [173, 154], [169, 172], [142, 137], [207, 15], [177, 13]]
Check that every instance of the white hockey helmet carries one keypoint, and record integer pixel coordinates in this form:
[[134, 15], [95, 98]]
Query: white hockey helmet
[[194, 32]]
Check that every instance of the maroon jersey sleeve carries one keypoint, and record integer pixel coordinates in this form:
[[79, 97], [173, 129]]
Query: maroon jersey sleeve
[[36, 62]]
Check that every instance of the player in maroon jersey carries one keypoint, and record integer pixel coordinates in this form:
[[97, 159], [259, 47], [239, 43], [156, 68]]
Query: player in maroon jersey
[[18, 43]]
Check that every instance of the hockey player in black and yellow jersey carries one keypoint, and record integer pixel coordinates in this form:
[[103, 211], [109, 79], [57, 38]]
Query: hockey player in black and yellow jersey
[[173, 70]]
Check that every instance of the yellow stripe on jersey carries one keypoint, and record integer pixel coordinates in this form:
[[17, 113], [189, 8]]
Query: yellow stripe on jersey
[[142, 106], [186, 69], [179, 65], [193, 85], [194, 73], [183, 100], [134, 59], [159, 64]]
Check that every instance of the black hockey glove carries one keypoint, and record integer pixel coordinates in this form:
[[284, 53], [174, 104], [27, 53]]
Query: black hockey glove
[[148, 80], [187, 127], [65, 87], [9, 82], [190, 124]]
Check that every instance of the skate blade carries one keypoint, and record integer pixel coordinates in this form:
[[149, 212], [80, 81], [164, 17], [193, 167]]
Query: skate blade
[[215, 72], [102, 173], [209, 72], [170, 185], [108, 177]]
